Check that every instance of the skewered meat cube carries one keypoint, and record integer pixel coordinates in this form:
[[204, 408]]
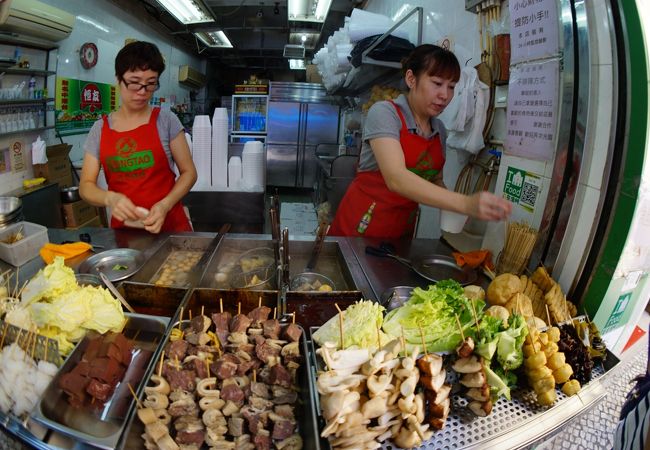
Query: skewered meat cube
[[240, 323], [262, 440], [292, 332], [282, 427], [284, 411], [177, 349], [283, 395], [183, 407], [190, 438], [271, 328], [180, 379], [236, 426], [264, 350], [430, 364], [260, 404], [222, 321], [259, 314], [260, 390], [247, 366], [233, 393], [440, 410], [257, 420], [224, 368], [465, 348], [280, 376], [200, 324]]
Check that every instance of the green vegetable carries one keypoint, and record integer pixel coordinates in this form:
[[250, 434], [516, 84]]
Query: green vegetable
[[360, 324], [53, 280], [490, 329], [511, 341], [120, 267], [434, 311], [500, 382]]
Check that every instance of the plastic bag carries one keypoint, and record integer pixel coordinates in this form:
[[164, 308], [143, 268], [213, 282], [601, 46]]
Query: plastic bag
[[390, 49]]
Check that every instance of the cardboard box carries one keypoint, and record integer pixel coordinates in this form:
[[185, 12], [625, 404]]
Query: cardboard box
[[58, 168], [95, 222], [77, 213], [312, 75]]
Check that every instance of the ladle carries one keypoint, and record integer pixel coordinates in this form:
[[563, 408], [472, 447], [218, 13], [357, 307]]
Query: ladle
[[111, 287]]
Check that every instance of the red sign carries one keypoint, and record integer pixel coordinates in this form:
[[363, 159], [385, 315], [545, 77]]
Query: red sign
[[91, 98]]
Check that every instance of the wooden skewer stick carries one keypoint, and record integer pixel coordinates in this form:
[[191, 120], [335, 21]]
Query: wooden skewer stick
[[478, 331], [160, 365], [275, 312], [221, 305], [340, 323], [460, 328], [34, 344], [254, 375], [403, 341], [190, 313], [378, 338], [202, 310], [424, 345], [293, 317], [137, 400], [180, 320], [566, 311], [259, 301], [238, 307], [47, 346], [4, 334], [16, 282], [22, 289], [207, 367], [548, 316]]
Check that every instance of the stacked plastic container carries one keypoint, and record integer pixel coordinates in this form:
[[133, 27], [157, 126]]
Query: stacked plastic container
[[253, 167], [220, 149], [234, 173], [202, 152]]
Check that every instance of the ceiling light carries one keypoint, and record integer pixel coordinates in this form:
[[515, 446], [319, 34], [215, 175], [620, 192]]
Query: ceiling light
[[214, 39], [297, 64], [303, 37], [308, 10], [187, 11], [91, 22]]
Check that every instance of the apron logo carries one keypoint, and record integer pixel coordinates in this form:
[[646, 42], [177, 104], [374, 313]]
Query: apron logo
[[424, 168], [128, 159]]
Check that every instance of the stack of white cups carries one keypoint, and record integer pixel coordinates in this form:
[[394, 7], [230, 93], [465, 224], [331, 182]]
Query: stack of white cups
[[253, 166], [220, 149], [234, 173], [201, 152]]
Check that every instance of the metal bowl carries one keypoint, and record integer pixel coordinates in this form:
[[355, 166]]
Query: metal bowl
[[259, 279], [256, 258], [88, 279], [311, 282], [396, 296], [11, 210], [70, 194]]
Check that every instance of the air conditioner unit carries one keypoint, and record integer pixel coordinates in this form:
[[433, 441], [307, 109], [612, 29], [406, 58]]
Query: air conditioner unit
[[294, 51], [35, 19], [191, 77]]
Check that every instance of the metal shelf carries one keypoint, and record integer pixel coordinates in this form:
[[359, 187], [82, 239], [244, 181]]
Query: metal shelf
[[29, 130], [28, 72], [25, 101]]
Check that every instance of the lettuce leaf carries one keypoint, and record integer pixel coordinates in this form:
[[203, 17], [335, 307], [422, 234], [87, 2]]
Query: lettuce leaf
[[361, 322], [510, 347], [50, 282]]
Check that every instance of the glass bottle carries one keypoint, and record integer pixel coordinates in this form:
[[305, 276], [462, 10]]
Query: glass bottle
[[365, 220]]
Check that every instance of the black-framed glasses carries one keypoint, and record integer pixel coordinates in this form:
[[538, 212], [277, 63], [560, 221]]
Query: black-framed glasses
[[135, 87]]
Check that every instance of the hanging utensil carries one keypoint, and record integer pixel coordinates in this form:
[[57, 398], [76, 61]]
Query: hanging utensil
[[111, 287], [323, 228]]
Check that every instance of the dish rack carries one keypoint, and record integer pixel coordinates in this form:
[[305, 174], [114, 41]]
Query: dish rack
[[512, 424]]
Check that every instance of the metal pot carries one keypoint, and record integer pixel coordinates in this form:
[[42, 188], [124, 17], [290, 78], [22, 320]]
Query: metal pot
[[70, 194], [11, 210]]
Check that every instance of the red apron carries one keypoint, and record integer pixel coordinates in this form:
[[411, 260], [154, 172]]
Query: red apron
[[136, 165], [393, 216]]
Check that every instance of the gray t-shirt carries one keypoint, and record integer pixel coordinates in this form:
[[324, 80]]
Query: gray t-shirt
[[168, 128], [383, 121]]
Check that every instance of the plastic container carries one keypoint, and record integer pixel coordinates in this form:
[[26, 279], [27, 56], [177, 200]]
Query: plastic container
[[452, 222], [18, 253]]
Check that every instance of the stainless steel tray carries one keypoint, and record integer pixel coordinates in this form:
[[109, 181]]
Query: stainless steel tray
[[111, 262], [103, 427], [306, 412], [513, 424], [441, 267]]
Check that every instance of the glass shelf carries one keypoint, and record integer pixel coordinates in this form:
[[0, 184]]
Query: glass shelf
[[16, 71], [24, 101], [29, 130]]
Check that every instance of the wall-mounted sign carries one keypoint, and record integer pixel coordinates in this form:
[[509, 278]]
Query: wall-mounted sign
[[17, 155], [522, 188], [80, 103], [532, 110], [617, 313], [534, 29]]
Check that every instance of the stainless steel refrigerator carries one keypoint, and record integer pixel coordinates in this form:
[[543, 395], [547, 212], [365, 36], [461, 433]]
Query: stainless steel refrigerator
[[302, 120]]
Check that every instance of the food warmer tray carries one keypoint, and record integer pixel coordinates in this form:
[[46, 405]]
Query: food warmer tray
[[104, 427], [306, 413], [512, 424]]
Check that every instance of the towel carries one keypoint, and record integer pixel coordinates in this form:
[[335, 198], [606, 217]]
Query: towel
[[474, 259], [49, 251]]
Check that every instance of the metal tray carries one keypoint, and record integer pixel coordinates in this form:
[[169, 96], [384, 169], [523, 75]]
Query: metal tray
[[305, 408], [103, 427], [106, 261], [512, 424], [441, 267]]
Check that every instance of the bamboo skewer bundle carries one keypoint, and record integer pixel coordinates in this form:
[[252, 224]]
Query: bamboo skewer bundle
[[519, 242]]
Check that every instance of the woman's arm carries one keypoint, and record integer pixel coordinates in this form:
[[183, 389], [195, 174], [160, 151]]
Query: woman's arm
[[121, 206], [399, 179], [183, 159]]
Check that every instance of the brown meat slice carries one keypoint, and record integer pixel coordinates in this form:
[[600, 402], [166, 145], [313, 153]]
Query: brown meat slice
[[224, 368], [259, 314], [256, 420], [240, 323], [260, 389], [222, 320], [101, 391], [190, 438], [200, 324], [292, 332], [74, 384], [280, 376], [271, 328], [233, 393], [283, 428], [177, 350], [201, 368], [283, 396], [264, 351], [262, 440], [285, 411], [181, 379], [107, 370], [247, 366]]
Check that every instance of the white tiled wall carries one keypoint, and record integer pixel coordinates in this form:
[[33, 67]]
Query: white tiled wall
[[113, 26]]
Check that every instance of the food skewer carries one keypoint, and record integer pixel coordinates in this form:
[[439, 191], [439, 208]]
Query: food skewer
[[137, 400], [424, 346], [180, 320], [478, 332], [259, 301], [275, 312], [202, 310], [340, 323], [4, 334], [190, 314], [403, 340], [293, 317], [221, 305], [548, 316], [460, 328], [238, 307], [378, 337], [160, 364], [254, 375]]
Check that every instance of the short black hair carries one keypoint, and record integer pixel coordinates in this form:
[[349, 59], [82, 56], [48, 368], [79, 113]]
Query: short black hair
[[434, 60], [138, 55]]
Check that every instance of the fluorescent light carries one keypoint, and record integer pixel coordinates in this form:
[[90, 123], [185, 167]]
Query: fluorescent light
[[91, 22], [308, 10], [187, 11], [215, 39], [297, 64], [400, 12]]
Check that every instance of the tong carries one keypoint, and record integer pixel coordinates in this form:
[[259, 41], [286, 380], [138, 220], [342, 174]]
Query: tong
[[323, 228], [387, 250]]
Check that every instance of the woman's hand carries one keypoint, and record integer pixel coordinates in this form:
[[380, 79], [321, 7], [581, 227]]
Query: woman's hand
[[122, 208], [156, 218], [487, 206]]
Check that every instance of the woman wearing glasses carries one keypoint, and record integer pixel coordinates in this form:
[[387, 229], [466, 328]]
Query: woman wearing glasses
[[137, 146]]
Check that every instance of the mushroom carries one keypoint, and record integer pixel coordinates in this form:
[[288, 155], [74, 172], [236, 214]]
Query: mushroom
[[407, 438], [374, 408], [443, 393], [408, 385], [419, 403], [473, 380], [156, 430], [211, 402], [331, 381], [377, 384], [147, 415], [430, 364], [331, 404], [407, 404], [440, 410], [203, 388], [480, 394], [163, 416], [392, 348], [434, 383], [477, 408], [161, 387], [385, 419], [156, 401], [467, 365]]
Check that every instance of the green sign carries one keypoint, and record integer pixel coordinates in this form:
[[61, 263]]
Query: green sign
[[80, 103], [617, 313], [522, 188]]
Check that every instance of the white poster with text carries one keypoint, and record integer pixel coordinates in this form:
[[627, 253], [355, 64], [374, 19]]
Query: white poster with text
[[534, 29]]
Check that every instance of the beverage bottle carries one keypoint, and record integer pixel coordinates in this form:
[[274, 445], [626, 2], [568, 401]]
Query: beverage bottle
[[365, 220], [31, 88]]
